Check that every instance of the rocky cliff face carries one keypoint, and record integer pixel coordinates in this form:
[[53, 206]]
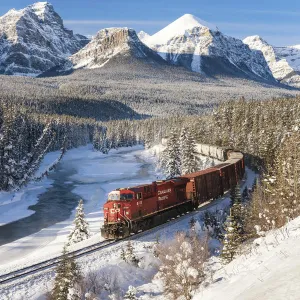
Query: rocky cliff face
[[110, 43], [202, 48], [33, 40], [284, 62]]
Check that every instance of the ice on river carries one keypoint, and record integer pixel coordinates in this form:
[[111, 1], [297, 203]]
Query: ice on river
[[95, 176]]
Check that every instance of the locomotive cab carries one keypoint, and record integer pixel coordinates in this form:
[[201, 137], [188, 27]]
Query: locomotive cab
[[117, 213]]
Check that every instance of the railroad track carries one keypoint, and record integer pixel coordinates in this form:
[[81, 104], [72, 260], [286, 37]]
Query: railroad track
[[51, 263]]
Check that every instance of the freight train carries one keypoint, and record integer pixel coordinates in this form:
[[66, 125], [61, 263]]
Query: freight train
[[133, 209]]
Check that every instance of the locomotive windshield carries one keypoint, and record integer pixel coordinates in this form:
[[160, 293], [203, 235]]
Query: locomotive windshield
[[126, 196], [116, 196]]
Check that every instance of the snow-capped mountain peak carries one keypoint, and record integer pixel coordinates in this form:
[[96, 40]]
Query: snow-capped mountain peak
[[284, 62], [179, 27], [41, 9], [143, 36], [295, 46], [201, 47], [112, 43], [34, 39]]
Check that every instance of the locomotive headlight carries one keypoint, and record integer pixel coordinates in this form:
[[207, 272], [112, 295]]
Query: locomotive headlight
[[127, 213], [119, 219]]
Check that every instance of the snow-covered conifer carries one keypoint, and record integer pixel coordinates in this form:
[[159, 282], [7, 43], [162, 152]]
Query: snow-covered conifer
[[171, 157], [231, 240], [67, 275], [130, 294], [188, 158], [130, 256], [81, 229]]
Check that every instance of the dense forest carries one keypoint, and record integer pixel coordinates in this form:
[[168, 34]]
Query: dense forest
[[26, 136]]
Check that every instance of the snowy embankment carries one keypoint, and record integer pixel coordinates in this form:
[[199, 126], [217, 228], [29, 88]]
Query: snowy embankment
[[267, 268], [14, 205]]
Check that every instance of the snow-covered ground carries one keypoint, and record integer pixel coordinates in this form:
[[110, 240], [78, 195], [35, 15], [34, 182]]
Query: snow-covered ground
[[96, 175], [268, 268], [108, 260]]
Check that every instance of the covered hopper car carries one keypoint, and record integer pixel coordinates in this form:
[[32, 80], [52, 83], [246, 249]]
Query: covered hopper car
[[130, 210]]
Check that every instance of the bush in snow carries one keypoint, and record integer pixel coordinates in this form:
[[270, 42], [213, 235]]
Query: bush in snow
[[81, 229], [128, 254], [130, 294], [182, 265]]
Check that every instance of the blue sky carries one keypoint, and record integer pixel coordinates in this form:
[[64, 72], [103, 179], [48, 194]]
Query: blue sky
[[276, 21]]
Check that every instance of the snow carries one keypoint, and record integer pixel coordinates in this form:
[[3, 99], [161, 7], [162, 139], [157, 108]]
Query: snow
[[108, 260], [282, 61], [295, 46], [143, 36], [39, 8], [178, 27], [96, 175], [268, 268]]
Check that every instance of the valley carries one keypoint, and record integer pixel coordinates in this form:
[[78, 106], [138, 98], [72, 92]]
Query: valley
[[102, 136]]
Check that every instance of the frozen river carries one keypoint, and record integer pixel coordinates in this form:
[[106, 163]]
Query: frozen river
[[83, 173]]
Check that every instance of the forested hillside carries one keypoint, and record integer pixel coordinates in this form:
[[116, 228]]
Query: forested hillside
[[27, 136]]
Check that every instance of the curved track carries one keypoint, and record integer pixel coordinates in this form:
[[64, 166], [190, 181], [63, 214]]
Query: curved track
[[51, 263]]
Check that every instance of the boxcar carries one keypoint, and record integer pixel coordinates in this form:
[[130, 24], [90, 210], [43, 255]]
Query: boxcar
[[203, 185]]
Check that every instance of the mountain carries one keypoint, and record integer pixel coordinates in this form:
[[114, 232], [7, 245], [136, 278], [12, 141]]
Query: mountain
[[34, 39], [113, 44], [143, 36], [284, 62], [201, 47]]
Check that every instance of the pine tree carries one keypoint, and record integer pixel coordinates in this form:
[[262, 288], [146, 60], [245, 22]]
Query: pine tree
[[123, 255], [171, 157], [67, 275], [231, 239], [238, 212], [188, 158], [130, 294], [81, 228], [130, 257], [245, 194]]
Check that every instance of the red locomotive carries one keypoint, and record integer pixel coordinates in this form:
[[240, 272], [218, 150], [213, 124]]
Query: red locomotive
[[129, 210]]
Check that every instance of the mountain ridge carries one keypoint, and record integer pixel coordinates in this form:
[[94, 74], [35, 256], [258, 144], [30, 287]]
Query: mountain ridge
[[34, 39], [284, 62], [201, 47]]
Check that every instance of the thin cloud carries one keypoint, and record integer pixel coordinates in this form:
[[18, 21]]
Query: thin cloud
[[113, 22], [272, 12], [278, 28]]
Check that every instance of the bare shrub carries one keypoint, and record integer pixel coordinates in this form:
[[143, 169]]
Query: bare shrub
[[182, 265]]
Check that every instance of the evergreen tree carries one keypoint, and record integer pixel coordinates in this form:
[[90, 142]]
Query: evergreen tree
[[231, 239], [238, 211], [171, 157], [130, 294], [130, 256], [67, 275], [188, 158], [81, 228], [123, 255]]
